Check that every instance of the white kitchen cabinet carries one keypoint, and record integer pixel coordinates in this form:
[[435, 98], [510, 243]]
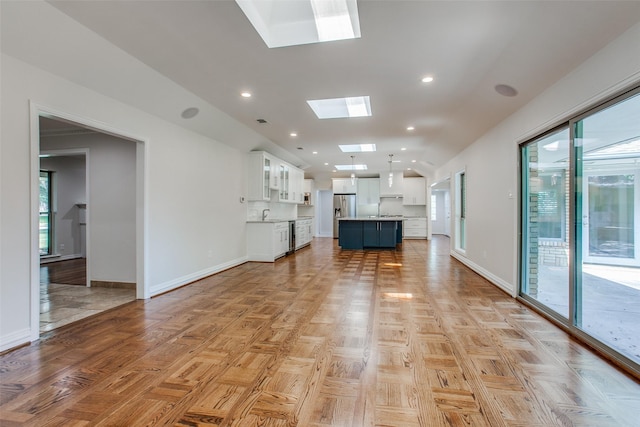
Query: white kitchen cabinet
[[281, 239], [414, 191], [283, 172], [368, 191], [297, 185], [304, 232], [308, 190], [267, 241], [395, 190], [414, 228], [343, 186], [261, 172]]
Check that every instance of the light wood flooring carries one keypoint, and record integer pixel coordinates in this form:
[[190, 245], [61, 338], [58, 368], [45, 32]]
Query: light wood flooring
[[321, 338]]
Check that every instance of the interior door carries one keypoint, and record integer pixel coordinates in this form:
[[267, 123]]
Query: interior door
[[610, 217]]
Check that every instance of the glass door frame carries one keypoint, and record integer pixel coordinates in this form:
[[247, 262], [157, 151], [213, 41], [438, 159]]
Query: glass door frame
[[573, 323]]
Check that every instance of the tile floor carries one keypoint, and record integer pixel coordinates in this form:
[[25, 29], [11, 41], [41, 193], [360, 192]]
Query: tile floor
[[63, 304]]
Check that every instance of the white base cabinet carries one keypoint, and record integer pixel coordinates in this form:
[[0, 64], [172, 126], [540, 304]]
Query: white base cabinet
[[415, 228], [304, 232], [267, 241]]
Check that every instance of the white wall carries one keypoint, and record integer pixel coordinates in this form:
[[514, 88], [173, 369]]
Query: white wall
[[112, 203], [195, 221], [69, 189], [491, 163]]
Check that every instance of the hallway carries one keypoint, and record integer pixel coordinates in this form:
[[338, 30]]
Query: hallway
[[321, 338]]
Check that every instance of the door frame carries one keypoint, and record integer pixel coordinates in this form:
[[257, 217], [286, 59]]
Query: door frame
[[629, 262], [142, 148], [87, 195]]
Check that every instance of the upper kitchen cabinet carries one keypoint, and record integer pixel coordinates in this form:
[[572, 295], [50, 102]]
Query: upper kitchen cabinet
[[291, 182], [414, 191], [296, 177], [396, 187], [263, 172], [267, 173], [308, 190], [343, 186], [368, 191]]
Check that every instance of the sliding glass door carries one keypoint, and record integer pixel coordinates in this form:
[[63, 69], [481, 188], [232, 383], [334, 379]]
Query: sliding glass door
[[545, 170], [580, 256], [608, 225]]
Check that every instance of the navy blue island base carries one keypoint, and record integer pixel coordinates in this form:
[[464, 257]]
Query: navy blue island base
[[369, 233]]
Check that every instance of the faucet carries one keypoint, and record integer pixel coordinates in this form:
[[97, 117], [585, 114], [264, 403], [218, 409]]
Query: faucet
[[264, 213]]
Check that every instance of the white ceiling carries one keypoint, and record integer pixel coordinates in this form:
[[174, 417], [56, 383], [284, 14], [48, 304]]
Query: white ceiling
[[211, 49]]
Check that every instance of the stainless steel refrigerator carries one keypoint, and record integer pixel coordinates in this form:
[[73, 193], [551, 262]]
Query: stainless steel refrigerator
[[344, 206]]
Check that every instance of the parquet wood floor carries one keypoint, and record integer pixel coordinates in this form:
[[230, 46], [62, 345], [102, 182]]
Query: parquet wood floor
[[322, 338]]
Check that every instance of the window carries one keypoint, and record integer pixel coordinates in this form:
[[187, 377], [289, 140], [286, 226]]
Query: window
[[46, 214], [461, 211], [434, 208]]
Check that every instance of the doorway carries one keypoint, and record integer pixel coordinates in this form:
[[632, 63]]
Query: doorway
[[441, 208], [90, 236]]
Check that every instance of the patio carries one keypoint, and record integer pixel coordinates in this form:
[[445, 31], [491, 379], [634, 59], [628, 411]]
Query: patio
[[610, 302]]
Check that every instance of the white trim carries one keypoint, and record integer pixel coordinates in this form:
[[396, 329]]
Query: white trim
[[15, 339], [184, 280], [142, 175], [502, 284]]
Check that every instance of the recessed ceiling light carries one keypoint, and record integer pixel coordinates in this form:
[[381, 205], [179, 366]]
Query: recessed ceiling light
[[358, 148], [293, 134], [403, 149], [190, 113], [334, 170], [245, 94], [413, 161], [351, 167], [285, 23], [339, 108], [427, 79], [410, 128], [506, 90], [326, 164], [315, 152]]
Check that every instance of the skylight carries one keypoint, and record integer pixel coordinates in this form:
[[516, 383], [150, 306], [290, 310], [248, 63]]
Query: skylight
[[351, 167], [340, 108], [358, 148], [288, 23]]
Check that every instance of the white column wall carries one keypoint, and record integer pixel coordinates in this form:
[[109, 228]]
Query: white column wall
[[491, 163], [195, 221], [112, 203]]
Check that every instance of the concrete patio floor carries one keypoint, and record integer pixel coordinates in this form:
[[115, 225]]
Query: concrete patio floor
[[610, 303]]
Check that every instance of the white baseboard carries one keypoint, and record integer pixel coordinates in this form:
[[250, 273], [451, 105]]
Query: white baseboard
[[502, 284], [56, 258], [181, 281], [325, 235], [15, 339]]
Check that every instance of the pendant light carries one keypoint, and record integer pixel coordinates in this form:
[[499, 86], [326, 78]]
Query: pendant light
[[390, 173], [353, 172]]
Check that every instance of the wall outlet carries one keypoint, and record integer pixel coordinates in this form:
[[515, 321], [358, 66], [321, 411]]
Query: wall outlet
[[62, 246]]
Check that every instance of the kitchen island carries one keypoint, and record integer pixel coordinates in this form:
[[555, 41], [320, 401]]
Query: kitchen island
[[373, 232]]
